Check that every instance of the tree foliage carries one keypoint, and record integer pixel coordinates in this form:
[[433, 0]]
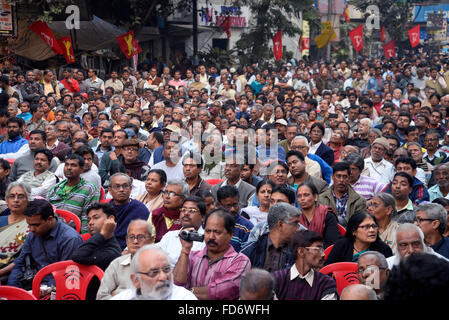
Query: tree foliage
[[270, 16], [394, 15]]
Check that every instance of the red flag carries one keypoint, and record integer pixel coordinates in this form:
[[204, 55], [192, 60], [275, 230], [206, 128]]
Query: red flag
[[356, 35], [129, 44], [382, 34], [413, 35], [277, 45], [67, 46], [346, 14], [43, 31], [226, 25], [389, 50]]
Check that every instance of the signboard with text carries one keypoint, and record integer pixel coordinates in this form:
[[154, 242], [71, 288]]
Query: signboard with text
[[421, 13], [7, 16], [214, 15]]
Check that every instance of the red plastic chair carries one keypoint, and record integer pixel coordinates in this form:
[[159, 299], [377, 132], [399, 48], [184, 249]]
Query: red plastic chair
[[70, 216], [213, 182], [86, 236], [105, 200], [342, 230], [14, 293], [102, 193], [327, 251], [344, 273], [71, 279]]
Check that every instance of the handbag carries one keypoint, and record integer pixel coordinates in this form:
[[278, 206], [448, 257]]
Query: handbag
[[29, 270]]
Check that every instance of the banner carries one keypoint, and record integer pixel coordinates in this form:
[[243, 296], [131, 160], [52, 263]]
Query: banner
[[327, 34], [389, 50], [304, 45], [277, 45], [413, 35], [356, 36], [382, 34], [129, 44], [226, 25], [43, 31], [66, 45]]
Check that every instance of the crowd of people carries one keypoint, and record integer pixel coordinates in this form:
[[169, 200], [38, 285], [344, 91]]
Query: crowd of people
[[231, 183]]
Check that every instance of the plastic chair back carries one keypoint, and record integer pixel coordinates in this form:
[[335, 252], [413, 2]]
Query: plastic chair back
[[14, 293], [70, 216], [213, 182], [341, 230], [327, 251], [105, 200], [71, 279], [344, 273], [11, 161], [102, 193]]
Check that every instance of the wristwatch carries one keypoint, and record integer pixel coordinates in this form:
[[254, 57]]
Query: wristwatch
[[193, 290]]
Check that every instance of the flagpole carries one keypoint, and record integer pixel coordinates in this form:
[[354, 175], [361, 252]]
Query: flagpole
[[195, 31], [328, 48]]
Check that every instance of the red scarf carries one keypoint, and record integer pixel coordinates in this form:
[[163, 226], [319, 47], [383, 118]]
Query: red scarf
[[159, 223], [318, 221]]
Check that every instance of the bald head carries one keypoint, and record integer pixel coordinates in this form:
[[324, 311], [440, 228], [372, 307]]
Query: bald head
[[358, 292]]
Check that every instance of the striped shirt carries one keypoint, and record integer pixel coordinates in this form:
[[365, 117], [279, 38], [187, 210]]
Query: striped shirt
[[367, 187], [241, 232], [76, 200], [221, 277]]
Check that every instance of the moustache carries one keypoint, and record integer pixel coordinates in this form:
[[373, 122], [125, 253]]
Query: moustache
[[165, 284], [212, 242]]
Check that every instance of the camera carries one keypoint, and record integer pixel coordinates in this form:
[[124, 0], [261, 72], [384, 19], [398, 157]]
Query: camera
[[191, 236]]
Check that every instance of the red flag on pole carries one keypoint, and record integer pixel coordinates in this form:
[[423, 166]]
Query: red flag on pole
[[413, 35], [67, 46], [129, 44], [382, 34], [389, 50], [43, 31], [356, 35], [277, 45], [226, 25]]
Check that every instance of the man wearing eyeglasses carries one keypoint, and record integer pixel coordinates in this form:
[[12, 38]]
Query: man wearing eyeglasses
[[166, 218], [126, 208], [152, 278], [373, 271], [409, 240], [432, 219], [300, 281], [191, 217], [117, 275]]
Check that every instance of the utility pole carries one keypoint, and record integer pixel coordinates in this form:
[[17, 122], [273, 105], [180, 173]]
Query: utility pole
[[329, 14], [195, 31]]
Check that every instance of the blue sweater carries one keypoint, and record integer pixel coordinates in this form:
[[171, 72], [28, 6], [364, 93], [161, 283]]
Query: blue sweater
[[11, 146], [326, 169]]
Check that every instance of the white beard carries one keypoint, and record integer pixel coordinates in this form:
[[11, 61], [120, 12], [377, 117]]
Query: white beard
[[161, 292]]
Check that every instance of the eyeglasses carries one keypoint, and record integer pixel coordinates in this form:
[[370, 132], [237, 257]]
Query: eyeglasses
[[139, 237], [295, 224], [118, 187], [374, 205], [171, 193], [229, 206], [320, 249], [370, 267], [154, 272], [419, 220], [189, 210], [369, 226], [131, 149], [16, 196], [430, 139]]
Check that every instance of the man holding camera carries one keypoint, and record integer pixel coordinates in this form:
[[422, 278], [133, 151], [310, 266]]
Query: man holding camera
[[191, 217], [214, 272]]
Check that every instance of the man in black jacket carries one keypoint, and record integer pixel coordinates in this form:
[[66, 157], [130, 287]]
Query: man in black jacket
[[272, 250], [103, 246]]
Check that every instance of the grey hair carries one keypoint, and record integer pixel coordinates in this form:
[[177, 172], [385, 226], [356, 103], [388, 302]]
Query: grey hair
[[24, 186], [281, 212], [258, 107], [370, 122], [204, 109], [382, 260], [404, 227], [360, 290], [149, 225], [302, 138], [268, 105], [375, 130], [388, 201], [256, 280], [13, 106], [134, 266], [355, 159], [185, 191], [130, 179], [435, 211], [158, 102]]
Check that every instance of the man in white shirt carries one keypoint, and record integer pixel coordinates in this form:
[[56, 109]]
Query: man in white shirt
[[147, 265], [379, 168], [192, 215], [172, 165]]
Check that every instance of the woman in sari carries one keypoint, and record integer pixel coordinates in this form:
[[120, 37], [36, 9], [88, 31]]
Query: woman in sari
[[154, 185], [13, 227]]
